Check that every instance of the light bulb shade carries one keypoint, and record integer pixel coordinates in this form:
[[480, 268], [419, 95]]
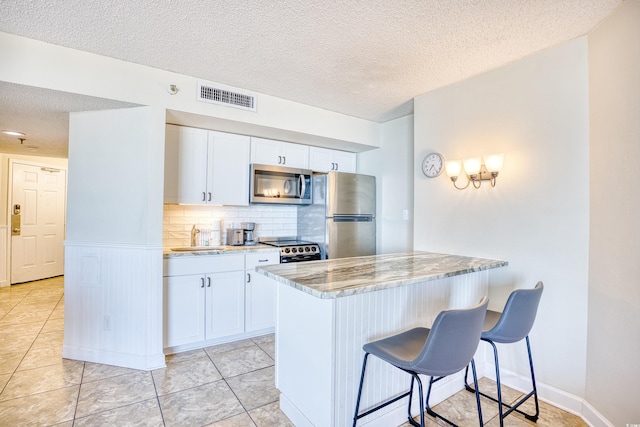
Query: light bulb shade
[[493, 162], [472, 165], [453, 168]]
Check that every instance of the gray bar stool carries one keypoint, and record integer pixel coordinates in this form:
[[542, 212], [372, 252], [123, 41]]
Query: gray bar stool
[[510, 326], [444, 349]]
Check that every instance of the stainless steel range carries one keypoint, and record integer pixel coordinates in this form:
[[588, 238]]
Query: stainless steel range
[[293, 249]]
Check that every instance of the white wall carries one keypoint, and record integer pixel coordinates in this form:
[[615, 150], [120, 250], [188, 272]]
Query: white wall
[[39, 64], [536, 112], [394, 184], [614, 292], [116, 170]]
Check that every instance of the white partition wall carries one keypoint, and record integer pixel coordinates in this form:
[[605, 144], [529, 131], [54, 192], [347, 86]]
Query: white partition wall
[[113, 251]]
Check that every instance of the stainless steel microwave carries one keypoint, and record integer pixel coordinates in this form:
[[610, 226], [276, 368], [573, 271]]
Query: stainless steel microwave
[[275, 184]]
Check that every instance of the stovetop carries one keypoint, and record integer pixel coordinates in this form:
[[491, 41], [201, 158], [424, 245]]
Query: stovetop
[[281, 242]]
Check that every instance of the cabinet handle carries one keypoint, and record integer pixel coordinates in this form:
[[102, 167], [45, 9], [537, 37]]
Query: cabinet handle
[[202, 282], [333, 166], [279, 160], [284, 160], [263, 260], [209, 196], [336, 166], [208, 282], [204, 196], [248, 277]]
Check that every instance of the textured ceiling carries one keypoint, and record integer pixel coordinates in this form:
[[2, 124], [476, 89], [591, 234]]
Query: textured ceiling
[[366, 58], [43, 115]]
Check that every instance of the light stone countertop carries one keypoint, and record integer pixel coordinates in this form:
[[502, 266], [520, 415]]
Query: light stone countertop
[[219, 250], [350, 276]]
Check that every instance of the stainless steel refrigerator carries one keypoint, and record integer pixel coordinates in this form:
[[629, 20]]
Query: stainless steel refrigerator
[[341, 218]]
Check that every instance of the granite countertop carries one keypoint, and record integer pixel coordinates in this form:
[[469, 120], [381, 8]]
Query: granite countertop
[[219, 250], [350, 276]]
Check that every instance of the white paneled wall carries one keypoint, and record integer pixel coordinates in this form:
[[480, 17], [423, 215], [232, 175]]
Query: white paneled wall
[[271, 220], [113, 305]]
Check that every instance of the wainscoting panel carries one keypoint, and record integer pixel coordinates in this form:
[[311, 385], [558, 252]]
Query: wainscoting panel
[[113, 304]]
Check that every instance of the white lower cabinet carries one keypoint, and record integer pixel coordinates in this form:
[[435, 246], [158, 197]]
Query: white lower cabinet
[[183, 310], [203, 298], [224, 304], [260, 292], [215, 298]]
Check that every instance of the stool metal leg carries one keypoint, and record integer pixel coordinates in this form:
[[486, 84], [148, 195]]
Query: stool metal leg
[[513, 407], [357, 416], [475, 382], [364, 367], [415, 376]]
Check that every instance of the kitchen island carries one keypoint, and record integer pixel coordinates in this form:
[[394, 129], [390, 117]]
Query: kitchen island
[[327, 310]]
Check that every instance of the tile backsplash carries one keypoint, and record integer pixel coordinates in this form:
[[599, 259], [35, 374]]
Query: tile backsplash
[[271, 221]]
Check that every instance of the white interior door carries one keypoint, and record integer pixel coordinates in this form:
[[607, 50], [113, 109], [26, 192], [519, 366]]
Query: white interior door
[[37, 251]]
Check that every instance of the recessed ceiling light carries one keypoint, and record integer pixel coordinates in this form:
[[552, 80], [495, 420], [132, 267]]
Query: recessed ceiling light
[[13, 133]]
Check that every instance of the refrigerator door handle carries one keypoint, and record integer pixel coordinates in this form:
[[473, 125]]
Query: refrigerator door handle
[[353, 218]]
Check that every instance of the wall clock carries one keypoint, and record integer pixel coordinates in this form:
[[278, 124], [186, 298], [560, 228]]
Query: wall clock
[[432, 165]]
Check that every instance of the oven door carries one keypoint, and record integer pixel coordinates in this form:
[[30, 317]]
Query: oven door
[[275, 184]]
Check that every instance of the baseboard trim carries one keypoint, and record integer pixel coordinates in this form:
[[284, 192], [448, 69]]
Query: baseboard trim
[[560, 399], [217, 341], [132, 361]]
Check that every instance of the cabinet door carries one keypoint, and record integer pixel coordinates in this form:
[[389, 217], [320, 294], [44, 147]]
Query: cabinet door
[[344, 161], [183, 310], [260, 292], [295, 155], [229, 172], [185, 175], [320, 159], [266, 151], [224, 304], [326, 160]]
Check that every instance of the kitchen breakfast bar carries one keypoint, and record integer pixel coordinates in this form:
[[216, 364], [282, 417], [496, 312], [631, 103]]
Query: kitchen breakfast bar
[[327, 310]]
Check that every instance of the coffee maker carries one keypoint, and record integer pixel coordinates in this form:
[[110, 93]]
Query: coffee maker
[[248, 228]]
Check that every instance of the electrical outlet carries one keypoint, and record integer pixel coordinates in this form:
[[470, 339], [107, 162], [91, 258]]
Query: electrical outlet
[[106, 323], [405, 214]]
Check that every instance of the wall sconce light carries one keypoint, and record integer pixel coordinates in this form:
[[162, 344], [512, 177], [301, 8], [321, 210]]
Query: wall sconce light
[[476, 169]]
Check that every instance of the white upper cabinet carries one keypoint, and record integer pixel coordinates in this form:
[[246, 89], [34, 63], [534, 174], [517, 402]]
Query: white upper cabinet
[[325, 160], [279, 153], [185, 165], [230, 175], [206, 167]]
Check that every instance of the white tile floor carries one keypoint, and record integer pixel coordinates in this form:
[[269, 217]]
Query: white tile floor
[[223, 386]]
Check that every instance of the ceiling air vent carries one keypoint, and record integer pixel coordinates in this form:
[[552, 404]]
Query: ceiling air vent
[[219, 96]]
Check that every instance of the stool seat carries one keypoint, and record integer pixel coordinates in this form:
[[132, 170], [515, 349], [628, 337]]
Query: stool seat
[[400, 350]]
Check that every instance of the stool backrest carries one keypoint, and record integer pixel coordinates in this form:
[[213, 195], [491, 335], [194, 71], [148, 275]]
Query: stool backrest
[[452, 341], [517, 317]]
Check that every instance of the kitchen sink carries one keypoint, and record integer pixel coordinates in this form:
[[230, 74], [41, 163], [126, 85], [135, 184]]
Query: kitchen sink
[[198, 248]]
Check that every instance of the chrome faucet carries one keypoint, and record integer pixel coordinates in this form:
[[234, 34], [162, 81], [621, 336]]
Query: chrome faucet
[[194, 232]]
